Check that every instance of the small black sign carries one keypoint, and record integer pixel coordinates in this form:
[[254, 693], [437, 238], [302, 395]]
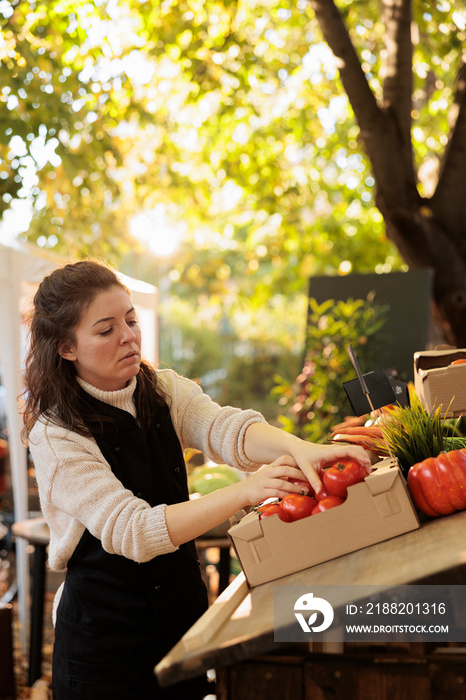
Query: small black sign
[[381, 392]]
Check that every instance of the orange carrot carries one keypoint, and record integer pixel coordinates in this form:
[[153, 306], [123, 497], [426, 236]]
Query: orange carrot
[[371, 444], [350, 422], [370, 431]]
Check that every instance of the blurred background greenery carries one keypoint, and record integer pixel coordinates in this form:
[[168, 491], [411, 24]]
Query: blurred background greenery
[[210, 149]]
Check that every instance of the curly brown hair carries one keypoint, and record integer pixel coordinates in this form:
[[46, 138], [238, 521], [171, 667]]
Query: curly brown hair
[[50, 380]]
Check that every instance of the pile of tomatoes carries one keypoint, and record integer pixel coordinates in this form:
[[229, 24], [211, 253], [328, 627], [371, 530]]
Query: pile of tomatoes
[[336, 479]]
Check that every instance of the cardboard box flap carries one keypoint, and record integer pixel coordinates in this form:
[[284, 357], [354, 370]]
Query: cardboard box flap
[[439, 384], [249, 528], [428, 374], [434, 359], [386, 477]]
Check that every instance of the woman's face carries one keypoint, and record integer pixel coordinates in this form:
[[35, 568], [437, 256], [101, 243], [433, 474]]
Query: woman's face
[[107, 352]]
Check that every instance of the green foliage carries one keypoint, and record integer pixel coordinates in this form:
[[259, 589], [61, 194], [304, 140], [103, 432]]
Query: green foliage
[[413, 434], [261, 149], [235, 365], [61, 108], [249, 379], [227, 114], [316, 401]]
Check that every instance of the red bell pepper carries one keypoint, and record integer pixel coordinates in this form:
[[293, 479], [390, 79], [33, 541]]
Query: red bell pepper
[[438, 484]]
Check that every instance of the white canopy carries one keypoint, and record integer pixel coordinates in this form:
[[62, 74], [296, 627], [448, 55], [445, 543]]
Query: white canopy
[[22, 267]]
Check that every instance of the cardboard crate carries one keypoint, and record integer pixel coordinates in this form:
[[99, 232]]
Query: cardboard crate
[[376, 509], [439, 383]]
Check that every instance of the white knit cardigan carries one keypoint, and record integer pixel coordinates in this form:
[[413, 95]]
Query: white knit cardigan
[[78, 489]]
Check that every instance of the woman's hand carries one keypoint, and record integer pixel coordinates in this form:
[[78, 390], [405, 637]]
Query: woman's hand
[[264, 443], [190, 519], [311, 458], [270, 481]]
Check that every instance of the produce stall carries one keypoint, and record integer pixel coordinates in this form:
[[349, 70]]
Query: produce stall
[[236, 635], [404, 525]]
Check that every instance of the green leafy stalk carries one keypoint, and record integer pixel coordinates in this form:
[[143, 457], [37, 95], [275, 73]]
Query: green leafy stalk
[[413, 434]]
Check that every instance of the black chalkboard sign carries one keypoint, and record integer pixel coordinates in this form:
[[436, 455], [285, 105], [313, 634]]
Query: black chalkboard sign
[[408, 295]]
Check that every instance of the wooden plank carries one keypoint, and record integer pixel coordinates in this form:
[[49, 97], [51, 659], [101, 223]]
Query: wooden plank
[[350, 678], [218, 613], [265, 679], [343, 677]]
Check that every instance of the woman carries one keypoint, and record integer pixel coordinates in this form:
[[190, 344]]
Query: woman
[[106, 433]]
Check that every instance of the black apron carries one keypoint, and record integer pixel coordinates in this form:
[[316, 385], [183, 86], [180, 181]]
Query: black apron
[[116, 618]]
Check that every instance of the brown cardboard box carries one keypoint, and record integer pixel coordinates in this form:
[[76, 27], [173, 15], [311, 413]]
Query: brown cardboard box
[[376, 509], [438, 382]]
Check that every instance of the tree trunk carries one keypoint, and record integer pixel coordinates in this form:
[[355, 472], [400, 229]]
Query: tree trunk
[[427, 232]]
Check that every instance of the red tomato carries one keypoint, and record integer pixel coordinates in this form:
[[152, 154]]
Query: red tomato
[[320, 495], [327, 503], [344, 473], [263, 506], [272, 509], [306, 487], [438, 484], [297, 506]]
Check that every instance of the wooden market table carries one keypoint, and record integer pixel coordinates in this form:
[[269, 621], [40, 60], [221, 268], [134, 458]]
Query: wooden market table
[[236, 635], [36, 532]]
